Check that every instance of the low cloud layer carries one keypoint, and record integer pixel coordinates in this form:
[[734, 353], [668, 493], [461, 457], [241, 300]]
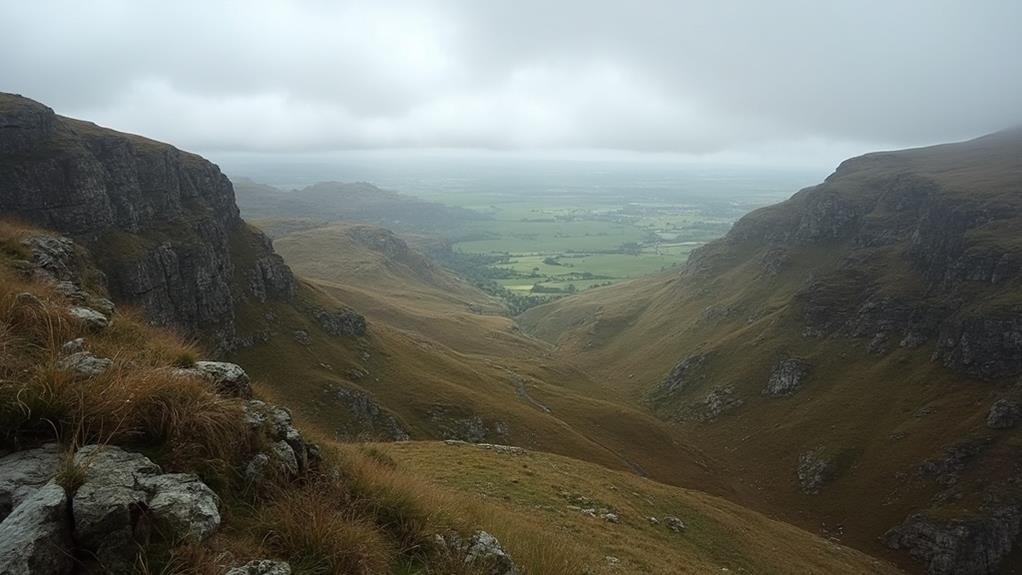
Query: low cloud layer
[[653, 76]]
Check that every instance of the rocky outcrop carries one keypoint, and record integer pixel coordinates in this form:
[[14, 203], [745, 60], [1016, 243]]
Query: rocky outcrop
[[674, 524], [159, 220], [945, 468], [287, 452], [91, 318], [35, 537], [987, 347], [1003, 414], [368, 417], [461, 424], [681, 375], [787, 377], [972, 546], [227, 378], [84, 364], [123, 500], [125, 495], [341, 323], [481, 552], [815, 468], [719, 401], [24, 472], [268, 276]]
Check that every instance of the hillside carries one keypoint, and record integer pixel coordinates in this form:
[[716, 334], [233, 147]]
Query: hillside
[[123, 449], [343, 201], [851, 355], [122, 452], [437, 360]]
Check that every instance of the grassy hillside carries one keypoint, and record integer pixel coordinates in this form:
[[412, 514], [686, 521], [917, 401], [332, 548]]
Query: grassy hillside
[[554, 495], [367, 509], [880, 282], [438, 359]]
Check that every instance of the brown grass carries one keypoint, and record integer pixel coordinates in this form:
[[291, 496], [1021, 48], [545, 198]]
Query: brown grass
[[137, 401], [320, 534], [11, 234]]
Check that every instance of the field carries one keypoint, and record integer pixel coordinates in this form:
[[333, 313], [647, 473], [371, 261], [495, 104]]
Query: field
[[542, 247], [553, 228]]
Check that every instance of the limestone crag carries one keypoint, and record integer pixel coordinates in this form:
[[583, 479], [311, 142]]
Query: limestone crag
[[161, 219]]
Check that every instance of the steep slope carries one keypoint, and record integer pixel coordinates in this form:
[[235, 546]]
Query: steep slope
[[159, 220], [850, 354]]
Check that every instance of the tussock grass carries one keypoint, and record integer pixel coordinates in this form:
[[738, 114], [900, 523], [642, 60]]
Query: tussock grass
[[319, 532], [138, 401]]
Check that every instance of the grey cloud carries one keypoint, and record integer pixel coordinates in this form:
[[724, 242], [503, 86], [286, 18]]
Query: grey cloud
[[699, 77]]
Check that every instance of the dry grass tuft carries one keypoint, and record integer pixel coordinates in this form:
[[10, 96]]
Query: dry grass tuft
[[137, 401], [187, 559], [319, 534]]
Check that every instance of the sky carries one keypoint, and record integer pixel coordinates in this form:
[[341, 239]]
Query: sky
[[784, 81]]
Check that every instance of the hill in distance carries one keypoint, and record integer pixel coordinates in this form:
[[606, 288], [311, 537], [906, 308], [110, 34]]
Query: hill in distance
[[278, 211]]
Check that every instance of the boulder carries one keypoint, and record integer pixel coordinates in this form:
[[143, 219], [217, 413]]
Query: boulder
[[22, 473], [71, 291], [91, 318], [228, 378], [257, 468], [482, 552], [787, 377], [967, 546], [183, 504], [109, 507], [675, 524], [125, 495], [84, 364], [103, 305], [287, 447], [1004, 414], [73, 346], [814, 470], [54, 255], [35, 539], [285, 454], [302, 337], [261, 567]]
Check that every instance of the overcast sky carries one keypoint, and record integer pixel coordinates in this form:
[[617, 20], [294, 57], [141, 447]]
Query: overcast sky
[[780, 78]]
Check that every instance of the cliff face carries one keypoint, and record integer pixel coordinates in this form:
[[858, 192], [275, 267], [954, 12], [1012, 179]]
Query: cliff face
[[159, 220], [924, 250]]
